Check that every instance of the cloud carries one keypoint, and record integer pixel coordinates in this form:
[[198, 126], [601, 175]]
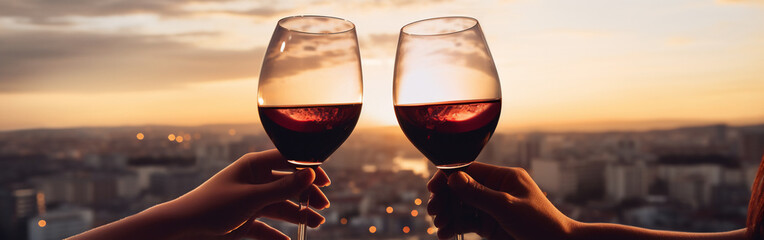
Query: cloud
[[400, 3], [86, 62], [740, 1], [378, 45], [47, 12]]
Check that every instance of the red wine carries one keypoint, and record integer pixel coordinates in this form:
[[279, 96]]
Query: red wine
[[450, 134], [307, 135]]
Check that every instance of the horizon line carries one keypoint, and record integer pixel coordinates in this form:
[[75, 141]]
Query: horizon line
[[592, 126]]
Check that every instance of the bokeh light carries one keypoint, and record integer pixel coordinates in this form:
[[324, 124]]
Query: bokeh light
[[418, 201], [406, 229], [42, 223], [139, 136], [171, 137], [389, 209], [414, 213], [372, 229]]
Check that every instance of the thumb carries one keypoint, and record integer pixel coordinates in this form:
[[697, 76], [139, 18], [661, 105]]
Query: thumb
[[478, 195], [284, 188]]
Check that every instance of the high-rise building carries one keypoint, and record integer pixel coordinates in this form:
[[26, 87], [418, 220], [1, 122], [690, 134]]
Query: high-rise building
[[17, 204], [528, 148], [554, 177]]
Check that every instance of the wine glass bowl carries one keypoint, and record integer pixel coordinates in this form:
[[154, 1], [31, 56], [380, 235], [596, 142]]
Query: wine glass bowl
[[446, 90], [310, 88]]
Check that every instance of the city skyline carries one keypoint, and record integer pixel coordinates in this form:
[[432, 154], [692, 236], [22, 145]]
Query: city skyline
[[83, 178], [562, 65]]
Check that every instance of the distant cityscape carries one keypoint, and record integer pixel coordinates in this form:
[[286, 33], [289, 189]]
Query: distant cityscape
[[55, 183]]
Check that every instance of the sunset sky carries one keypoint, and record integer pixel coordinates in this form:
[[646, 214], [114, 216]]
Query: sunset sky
[[561, 63]]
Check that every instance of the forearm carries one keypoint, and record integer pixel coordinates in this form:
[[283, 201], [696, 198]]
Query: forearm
[[596, 231], [157, 222]]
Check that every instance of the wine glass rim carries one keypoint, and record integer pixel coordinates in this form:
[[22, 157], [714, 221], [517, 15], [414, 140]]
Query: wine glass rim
[[283, 20], [475, 23]]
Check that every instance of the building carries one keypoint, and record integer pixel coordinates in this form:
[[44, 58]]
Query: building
[[752, 147], [554, 177], [692, 179], [59, 224], [626, 180], [17, 204]]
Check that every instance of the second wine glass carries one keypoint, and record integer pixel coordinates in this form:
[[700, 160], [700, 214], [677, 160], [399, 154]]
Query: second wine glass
[[310, 90], [446, 90]]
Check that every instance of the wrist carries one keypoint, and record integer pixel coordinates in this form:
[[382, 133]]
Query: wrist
[[165, 220], [574, 229]]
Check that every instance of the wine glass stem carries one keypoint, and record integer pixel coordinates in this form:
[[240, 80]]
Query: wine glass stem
[[302, 226], [459, 236]]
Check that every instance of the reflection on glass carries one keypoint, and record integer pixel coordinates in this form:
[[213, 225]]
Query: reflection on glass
[[446, 90], [310, 90]]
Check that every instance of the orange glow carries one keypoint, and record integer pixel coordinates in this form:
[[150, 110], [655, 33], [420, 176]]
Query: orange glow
[[372, 229], [179, 139], [187, 136], [389, 209], [344, 221], [42, 223], [171, 137], [414, 213], [418, 201], [41, 203], [431, 230], [139, 136], [600, 83], [231, 131], [406, 229]]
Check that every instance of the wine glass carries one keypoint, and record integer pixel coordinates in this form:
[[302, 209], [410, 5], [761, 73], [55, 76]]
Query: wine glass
[[310, 91], [446, 91]]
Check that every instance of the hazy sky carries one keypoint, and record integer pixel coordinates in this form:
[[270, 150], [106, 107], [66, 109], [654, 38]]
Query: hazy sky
[[133, 62]]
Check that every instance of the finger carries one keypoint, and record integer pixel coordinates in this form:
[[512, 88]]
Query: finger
[[290, 212], [438, 182], [260, 230], [435, 205], [317, 198], [283, 188], [479, 196], [267, 160], [486, 173], [441, 220], [322, 179]]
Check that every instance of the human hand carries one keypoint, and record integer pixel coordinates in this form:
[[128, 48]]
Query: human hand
[[509, 203], [227, 205]]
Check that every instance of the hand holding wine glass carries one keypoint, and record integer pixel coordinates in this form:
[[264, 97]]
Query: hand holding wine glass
[[310, 90], [446, 90], [228, 205]]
